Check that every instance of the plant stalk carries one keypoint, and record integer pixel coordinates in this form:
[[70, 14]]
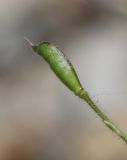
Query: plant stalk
[[85, 96]]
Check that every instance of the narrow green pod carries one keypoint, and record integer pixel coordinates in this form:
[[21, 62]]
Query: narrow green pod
[[60, 65], [66, 73]]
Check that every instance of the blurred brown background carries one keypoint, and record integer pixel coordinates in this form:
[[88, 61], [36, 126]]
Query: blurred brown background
[[39, 117]]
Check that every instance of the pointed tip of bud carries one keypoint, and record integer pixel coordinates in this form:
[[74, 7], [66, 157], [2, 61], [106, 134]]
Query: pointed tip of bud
[[34, 47], [28, 41]]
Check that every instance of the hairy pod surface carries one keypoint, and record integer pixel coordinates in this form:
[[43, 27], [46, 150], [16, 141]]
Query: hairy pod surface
[[60, 65]]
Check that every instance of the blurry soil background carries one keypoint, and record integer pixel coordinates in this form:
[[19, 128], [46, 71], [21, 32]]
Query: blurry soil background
[[39, 117]]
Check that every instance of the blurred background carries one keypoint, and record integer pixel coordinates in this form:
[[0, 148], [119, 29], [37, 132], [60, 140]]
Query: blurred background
[[39, 117]]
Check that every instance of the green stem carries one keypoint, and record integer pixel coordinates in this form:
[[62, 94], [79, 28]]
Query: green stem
[[84, 95]]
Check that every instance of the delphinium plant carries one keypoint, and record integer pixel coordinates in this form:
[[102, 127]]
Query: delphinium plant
[[65, 71]]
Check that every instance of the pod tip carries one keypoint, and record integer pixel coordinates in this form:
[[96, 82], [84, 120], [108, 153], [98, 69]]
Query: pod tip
[[28, 41]]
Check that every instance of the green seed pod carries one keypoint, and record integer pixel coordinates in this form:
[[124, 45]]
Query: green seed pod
[[66, 73], [60, 65]]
